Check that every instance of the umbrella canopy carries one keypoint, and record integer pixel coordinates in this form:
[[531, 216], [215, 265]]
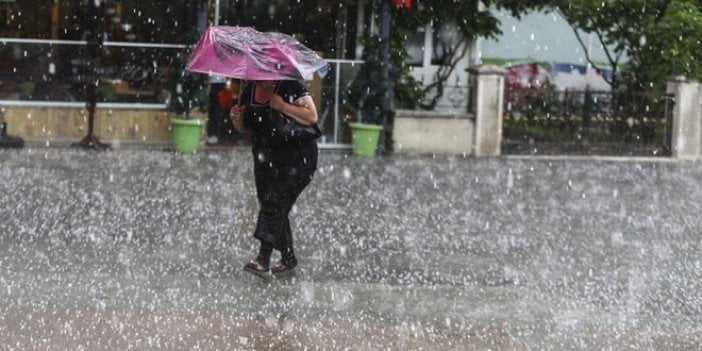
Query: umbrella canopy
[[245, 53]]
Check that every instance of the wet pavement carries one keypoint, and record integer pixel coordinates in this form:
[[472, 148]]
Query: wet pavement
[[142, 249]]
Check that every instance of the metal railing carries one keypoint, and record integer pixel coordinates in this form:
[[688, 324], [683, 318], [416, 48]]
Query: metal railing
[[577, 117], [334, 102]]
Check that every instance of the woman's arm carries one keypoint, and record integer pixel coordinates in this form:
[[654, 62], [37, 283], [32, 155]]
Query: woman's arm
[[302, 110]]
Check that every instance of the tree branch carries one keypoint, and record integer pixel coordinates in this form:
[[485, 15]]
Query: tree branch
[[443, 73]]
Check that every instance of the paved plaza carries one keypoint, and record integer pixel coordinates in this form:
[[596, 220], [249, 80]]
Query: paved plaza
[[142, 249]]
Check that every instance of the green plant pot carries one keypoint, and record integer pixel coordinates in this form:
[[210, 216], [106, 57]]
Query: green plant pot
[[364, 138], [186, 134]]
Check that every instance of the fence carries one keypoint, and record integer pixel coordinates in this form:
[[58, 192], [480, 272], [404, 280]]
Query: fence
[[624, 121], [335, 111]]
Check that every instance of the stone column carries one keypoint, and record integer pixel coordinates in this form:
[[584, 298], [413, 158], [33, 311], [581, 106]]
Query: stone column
[[487, 94], [686, 141]]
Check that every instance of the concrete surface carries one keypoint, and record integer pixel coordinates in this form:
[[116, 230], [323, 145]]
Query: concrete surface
[[142, 250]]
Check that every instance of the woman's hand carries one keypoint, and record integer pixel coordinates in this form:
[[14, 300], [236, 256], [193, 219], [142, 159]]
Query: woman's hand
[[236, 114]]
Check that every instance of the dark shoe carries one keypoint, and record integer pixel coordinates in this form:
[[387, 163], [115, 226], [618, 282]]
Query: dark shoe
[[282, 269], [256, 268]]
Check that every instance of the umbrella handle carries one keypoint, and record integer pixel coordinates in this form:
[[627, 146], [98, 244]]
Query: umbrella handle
[[241, 92]]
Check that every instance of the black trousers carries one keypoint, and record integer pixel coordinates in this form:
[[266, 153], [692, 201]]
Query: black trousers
[[281, 175]]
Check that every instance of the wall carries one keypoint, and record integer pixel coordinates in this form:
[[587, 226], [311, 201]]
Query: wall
[[58, 124], [433, 132]]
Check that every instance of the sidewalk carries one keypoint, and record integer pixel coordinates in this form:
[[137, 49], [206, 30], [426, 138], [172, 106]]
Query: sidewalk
[[142, 249]]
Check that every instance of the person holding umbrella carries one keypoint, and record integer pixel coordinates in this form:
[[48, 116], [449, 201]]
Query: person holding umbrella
[[282, 170], [279, 113]]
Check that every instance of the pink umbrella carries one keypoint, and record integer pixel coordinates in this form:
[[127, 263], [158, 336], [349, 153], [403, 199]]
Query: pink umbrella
[[245, 53]]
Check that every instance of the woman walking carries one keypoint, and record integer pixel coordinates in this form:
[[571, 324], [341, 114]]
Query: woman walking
[[282, 168]]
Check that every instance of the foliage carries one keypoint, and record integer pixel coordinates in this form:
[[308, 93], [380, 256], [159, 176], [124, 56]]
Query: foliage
[[367, 92], [187, 88], [660, 38], [672, 46], [618, 26]]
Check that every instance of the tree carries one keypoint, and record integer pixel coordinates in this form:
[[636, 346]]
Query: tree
[[660, 38], [187, 88], [672, 46], [617, 24]]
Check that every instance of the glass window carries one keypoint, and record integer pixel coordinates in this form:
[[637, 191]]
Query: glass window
[[415, 48], [445, 38]]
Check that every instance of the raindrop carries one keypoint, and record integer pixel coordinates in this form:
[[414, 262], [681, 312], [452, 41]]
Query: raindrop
[[510, 179]]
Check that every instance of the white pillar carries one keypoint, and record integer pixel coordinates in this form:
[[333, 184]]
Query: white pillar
[[216, 14], [686, 141], [487, 84]]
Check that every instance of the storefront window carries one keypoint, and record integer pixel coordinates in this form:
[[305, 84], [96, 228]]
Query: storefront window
[[59, 70]]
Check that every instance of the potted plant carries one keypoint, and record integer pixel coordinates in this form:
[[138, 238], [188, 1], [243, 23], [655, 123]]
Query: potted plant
[[366, 96], [187, 91]]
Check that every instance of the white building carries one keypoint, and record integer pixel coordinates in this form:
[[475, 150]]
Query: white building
[[425, 49]]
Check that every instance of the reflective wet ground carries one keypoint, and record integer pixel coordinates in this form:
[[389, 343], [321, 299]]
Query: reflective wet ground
[[143, 249]]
